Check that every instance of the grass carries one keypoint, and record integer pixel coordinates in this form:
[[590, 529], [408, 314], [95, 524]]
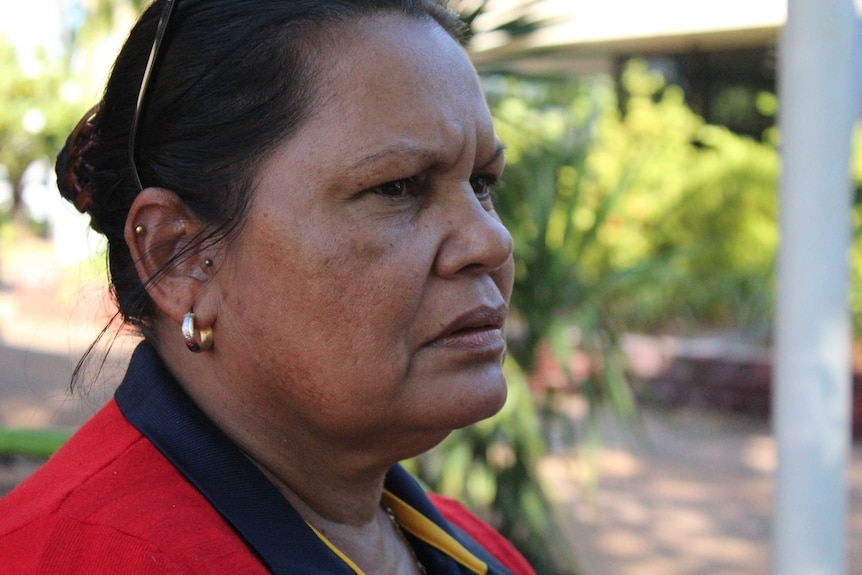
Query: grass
[[38, 443]]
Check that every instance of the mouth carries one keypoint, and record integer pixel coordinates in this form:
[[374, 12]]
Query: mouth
[[480, 328]]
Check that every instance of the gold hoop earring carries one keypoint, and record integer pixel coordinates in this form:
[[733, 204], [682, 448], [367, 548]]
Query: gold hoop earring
[[206, 334]]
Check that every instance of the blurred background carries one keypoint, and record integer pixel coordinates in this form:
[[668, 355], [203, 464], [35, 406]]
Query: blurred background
[[641, 191]]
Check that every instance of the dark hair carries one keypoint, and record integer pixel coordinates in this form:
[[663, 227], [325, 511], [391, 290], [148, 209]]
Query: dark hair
[[234, 79]]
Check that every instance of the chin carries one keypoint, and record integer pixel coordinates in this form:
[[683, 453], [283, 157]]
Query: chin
[[459, 410], [478, 399], [441, 401]]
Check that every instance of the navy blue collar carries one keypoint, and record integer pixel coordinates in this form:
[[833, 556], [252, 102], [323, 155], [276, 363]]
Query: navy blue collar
[[154, 403]]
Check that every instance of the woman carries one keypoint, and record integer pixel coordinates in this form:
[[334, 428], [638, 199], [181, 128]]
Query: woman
[[297, 202]]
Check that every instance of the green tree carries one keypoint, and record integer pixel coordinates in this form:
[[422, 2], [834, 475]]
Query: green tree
[[698, 219], [38, 107], [41, 105], [643, 218]]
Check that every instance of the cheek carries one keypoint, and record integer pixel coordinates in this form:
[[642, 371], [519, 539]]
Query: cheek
[[374, 296], [347, 302], [335, 298]]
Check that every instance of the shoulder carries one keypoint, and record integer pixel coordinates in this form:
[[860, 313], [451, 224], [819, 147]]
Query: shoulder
[[483, 534], [109, 502]]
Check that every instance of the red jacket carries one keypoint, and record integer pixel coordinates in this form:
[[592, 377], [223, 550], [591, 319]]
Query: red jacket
[[110, 502]]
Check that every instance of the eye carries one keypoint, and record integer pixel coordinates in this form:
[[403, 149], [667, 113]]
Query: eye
[[483, 186], [396, 188]]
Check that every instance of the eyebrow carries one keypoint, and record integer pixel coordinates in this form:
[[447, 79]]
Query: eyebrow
[[396, 150], [409, 150], [498, 153]]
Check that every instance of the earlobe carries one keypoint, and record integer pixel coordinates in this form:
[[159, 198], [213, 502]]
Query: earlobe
[[160, 233]]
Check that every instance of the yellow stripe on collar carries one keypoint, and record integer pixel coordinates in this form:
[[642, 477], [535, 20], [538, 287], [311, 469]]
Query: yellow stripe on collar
[[431, 533], [336, 550], [423, 528]]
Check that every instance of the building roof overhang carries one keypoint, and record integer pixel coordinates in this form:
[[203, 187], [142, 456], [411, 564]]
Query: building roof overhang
[[584, 36]]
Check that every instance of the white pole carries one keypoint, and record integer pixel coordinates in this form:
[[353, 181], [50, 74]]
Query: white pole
[[811, 407]]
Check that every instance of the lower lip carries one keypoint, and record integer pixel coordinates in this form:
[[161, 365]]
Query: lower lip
[[486, 339]]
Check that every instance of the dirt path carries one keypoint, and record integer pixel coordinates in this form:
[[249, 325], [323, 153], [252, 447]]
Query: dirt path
[[687, 492]]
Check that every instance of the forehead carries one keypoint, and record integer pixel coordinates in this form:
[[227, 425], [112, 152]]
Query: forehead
[[394, 79]]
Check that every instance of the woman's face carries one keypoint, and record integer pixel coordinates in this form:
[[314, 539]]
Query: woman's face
[[366, 296]]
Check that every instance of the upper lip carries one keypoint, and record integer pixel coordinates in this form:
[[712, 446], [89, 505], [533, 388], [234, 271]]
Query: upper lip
[[483, 316]]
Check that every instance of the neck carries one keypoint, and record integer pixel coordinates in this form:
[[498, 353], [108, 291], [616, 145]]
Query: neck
[[327, 501], [336, 491], [337, 482], [363, 530]]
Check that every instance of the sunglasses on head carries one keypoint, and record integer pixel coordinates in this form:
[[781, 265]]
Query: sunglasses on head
[[167, 10]]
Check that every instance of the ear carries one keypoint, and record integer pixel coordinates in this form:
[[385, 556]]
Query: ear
[[160, 232]]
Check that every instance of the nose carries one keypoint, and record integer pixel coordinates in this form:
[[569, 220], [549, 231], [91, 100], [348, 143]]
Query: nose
[[476, 240]]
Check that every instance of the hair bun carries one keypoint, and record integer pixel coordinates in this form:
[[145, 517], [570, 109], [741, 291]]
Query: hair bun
[[74, 175]]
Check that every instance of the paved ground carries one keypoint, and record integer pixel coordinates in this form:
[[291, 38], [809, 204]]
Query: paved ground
[[686, 492], [49, 315]]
